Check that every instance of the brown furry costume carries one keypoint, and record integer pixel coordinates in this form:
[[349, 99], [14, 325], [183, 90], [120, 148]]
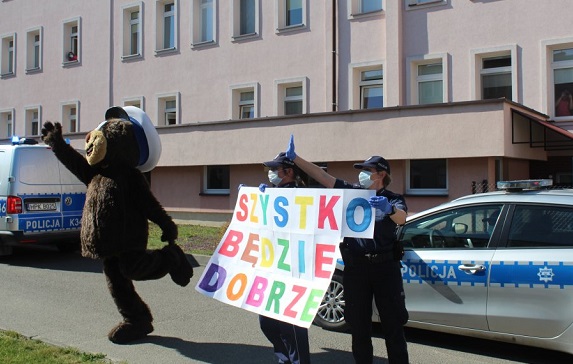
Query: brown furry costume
[[115, 219]]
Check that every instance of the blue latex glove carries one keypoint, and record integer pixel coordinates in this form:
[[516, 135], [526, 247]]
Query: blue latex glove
[[380, 202], [263, 187], [290, 154], [241, 186]]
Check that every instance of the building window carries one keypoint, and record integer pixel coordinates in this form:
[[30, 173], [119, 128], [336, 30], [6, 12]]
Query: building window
[[33, 120], [72, 38], [371, 89], [427, 176], [562, 67], [244, 101], [292, 96], [134, 101], [204, 22], [247, 105], [496, 77], [167, 109], [216, 180], [132, 30], [8, 55], [166, 32], [293, 100], [430, 83], [70, 120], [360, 7], [290, 13], [34, 50], [245, 18], [6, 123]]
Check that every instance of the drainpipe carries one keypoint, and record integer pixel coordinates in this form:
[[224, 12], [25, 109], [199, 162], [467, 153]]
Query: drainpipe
[[334, 58]]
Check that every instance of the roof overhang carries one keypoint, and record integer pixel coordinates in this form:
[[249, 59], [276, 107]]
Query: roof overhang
[[539, 133]]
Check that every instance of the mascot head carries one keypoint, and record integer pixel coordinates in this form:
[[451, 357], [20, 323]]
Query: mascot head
[[127, 137]]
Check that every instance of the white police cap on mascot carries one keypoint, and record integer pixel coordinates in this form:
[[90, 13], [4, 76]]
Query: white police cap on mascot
[[145, 133]]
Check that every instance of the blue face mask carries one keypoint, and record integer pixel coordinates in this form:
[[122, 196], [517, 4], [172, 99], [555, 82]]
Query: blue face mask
[[364, 179], [274, 178]]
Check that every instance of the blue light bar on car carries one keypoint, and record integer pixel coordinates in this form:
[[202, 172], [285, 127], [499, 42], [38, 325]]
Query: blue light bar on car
[[526, 184]]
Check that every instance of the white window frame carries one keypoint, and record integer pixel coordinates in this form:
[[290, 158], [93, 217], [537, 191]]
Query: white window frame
[[280, 93], [33, 59], [370, 84], [355, 9], [127, 22], [236, 90], [6, 123], [137, 101], [476, 62], [197, 38], [72, 49], [69, 119], [412, 79], [29, 119], [160, 19], [8, 55], [161, 109], [355, 79], [421, 4], [236, 20], [426, 191], [214, 191], [547, 74], [281, 17]]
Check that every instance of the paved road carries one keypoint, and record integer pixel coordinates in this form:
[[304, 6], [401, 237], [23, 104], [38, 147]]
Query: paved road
[[62, 299]]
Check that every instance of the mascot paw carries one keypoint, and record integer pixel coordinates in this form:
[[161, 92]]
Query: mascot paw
[[181, 273], [126, 332], [52, 133]]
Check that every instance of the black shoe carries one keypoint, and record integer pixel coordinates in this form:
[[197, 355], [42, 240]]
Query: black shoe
[[182, 273], [126, 332]]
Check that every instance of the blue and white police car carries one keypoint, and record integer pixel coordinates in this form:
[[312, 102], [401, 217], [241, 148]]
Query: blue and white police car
[[496, 265], [41, 202]]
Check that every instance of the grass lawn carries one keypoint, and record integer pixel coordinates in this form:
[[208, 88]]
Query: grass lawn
[[193, 239]]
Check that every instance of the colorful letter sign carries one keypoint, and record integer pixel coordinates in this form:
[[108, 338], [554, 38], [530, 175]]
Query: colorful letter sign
[[279, 253]]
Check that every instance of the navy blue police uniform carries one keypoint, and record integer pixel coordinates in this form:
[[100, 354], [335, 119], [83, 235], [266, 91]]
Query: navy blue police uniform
[[372, 269]]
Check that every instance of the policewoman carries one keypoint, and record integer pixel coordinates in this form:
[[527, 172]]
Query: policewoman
[[372, 267], [290, 342]]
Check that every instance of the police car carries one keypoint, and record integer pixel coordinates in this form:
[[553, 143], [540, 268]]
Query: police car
[[496, 265], [41, 202]]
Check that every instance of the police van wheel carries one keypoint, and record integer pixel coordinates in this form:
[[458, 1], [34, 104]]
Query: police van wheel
[[68, 246], [330, 315]]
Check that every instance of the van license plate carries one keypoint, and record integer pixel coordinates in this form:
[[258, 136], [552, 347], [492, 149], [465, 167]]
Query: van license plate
[[41, 206]]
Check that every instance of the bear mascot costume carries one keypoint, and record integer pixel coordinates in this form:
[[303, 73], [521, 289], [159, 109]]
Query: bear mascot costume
[[118, 205]]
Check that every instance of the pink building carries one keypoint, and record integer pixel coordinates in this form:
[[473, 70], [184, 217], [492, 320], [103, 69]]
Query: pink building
[[456, 94]]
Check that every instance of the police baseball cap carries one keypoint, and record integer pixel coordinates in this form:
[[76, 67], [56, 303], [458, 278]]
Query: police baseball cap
[[374, 162], [280, 160]]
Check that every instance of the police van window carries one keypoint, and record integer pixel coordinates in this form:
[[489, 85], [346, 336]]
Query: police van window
[[37, 167], [541, 226], [461, 228]]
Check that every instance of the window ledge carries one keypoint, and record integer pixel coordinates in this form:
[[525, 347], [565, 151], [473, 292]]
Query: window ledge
[[131, 57], [238, 38], [291, 28], [67, 64], [369, 14], [205, 44], [164, 51], [214, 193], [30, 71], [426, 5], [7, 75]]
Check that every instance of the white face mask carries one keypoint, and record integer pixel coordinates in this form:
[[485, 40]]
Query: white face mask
[[274, 178], [364, 179]]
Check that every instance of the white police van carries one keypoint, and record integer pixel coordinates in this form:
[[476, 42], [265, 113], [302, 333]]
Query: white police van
[[41, 202]]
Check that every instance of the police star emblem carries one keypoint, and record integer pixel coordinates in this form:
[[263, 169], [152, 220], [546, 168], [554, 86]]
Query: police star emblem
[[545, 274]]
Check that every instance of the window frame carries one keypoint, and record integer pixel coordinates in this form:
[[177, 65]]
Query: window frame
[[236, 21], [162, 110], [548, 66], [160, 23], [29, 121], [207, 190], [370, 84], [8, 55], [354, 9], [197, 36], [355, 92], [235, 95], [7, 119], [413, 80], [137, 101], [281, 14], [127, 22], [31, 45], [67, 118], [427, 191], [72, 50], [280, 93], [421, 4], [477, 57]]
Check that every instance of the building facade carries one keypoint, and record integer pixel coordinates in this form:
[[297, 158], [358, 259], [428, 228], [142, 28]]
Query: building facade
[[456, 94]]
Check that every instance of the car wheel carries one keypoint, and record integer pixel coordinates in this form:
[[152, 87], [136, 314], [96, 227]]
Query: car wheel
[[330, 313], [68, 246]]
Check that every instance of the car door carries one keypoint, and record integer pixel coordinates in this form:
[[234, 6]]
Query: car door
[[446, 265], [531, 283]]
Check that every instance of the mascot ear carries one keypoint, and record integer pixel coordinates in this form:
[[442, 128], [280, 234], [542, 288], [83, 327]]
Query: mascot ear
[[116, 112]]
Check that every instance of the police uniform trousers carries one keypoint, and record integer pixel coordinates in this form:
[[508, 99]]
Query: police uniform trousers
[[290, 342], [364, 279]]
